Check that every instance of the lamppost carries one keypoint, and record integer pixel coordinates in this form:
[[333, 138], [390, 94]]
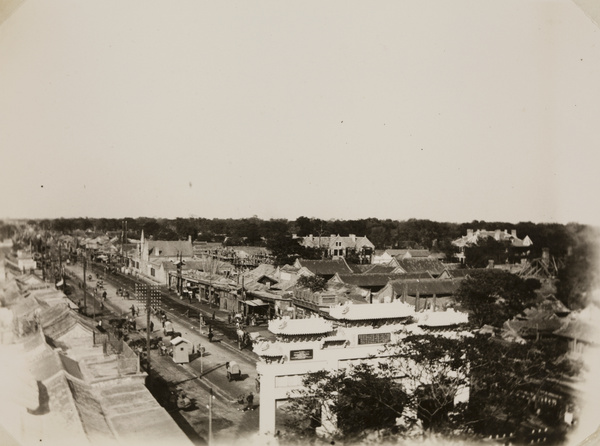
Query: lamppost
[[211, 397]]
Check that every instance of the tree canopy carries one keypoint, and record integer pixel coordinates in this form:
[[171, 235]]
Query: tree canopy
[[492, 296], [464, 386], [384, 233], [359, 400]]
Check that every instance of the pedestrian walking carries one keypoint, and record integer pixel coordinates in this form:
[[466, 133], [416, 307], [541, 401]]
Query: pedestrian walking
[[151, 326], [210, 334], [104, 295], [213, 316], [229, 318], [133, 310]]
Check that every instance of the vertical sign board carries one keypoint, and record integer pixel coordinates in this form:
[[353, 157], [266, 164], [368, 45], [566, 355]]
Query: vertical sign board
[[155, 298], [297, 355], [143, 291], [140, 294]]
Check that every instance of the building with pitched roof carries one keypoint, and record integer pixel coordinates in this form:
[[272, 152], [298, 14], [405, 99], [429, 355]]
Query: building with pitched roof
[[417, 265], [146, 259], [306, 302], [66, 383], [475, 237], [341, 246], [421, 293], [401, 254], [369, 281], [324, 268]]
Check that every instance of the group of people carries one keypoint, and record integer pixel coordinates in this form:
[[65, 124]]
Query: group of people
[[249, 399]]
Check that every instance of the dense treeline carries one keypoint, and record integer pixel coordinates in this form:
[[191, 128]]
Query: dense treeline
[[577, 276], [387, 233]]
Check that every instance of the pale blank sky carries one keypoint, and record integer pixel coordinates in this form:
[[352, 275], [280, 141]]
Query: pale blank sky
[[451, 111]]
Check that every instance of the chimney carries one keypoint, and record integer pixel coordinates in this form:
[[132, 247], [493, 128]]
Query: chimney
[[469, 232], [513, 232], [546, 256], [490, 264], [497, 234], [353, 237]]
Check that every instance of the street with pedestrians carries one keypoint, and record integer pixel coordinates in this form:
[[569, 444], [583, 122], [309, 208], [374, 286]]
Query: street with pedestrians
[[233, 405]]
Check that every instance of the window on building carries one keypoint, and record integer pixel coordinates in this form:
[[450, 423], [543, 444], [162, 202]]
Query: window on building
[[152, 272]]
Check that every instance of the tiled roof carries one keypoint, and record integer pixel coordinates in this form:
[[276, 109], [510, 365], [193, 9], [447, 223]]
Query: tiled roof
[[391, 310], [418, 275], [57, 321], [289, 269], [380, 269], [90, 411], [412, 252], [462, 272], [359, 269], [419, 265], [326, 267], [368, 279], [264, 269], [425, 287]]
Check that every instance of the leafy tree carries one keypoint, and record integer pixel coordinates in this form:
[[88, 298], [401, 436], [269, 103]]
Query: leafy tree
[[434, 372], [505, 377], [358, 400], [463, 386], [492, 296], [314, 283], [286, 250], [478, 256]]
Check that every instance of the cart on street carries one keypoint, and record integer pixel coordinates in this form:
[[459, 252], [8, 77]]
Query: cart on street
[[233, 370]]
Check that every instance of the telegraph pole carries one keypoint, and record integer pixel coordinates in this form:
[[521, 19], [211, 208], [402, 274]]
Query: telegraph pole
[[148, 333], [60, 262], [84, 281], [150, 294], [210, 439]]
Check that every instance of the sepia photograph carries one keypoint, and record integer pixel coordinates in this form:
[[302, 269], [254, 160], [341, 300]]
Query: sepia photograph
[[348, 223]]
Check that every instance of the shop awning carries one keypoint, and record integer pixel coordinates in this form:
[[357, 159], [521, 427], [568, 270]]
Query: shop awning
[[254, 302]]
